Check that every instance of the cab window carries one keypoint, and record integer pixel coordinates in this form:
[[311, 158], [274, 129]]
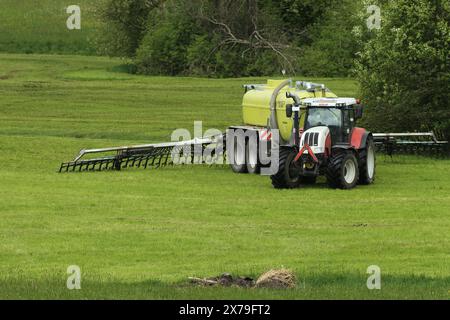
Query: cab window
[[329, 117]]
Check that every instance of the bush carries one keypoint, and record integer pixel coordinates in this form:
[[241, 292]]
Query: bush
[[200, 56], [334, 46], [124, 23], [164, 50], [404, 70]]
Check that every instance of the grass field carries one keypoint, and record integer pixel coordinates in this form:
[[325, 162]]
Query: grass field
[[28, 26], [140, 234]]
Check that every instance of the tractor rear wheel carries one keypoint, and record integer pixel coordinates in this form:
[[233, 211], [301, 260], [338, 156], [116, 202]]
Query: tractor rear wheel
[[342, 171], [288, 175], [367, 163]]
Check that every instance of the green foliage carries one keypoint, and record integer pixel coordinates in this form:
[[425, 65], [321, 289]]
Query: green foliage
[[200, 56], [266, 62], [221, 38], [404, 68], [124, 25], [181, 39], [164, 49], [296, 17], [333, 48]]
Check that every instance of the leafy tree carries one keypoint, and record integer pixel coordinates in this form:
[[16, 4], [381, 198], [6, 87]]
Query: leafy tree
[[404, 68], [171, 30], [296, 17], [334, 46], [124, 23]]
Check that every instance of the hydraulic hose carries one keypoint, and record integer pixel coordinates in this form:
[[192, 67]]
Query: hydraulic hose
[[273, 123]]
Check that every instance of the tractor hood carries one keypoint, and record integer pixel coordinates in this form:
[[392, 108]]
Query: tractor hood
[[316, 138]]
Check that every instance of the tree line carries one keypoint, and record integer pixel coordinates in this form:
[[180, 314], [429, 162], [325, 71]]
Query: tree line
[[228, 38]]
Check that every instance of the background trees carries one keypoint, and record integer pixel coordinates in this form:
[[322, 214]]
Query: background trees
[[222, 38], [124, 25], [404, 68]]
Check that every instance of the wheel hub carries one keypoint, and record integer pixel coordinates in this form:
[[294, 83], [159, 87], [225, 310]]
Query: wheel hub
[[349, 171]]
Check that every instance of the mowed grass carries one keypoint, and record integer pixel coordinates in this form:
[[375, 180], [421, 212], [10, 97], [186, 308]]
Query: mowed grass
[[142, 233], [29, 26]]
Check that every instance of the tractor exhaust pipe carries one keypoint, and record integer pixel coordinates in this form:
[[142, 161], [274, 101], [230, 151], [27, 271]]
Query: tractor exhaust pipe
[[296, 110]]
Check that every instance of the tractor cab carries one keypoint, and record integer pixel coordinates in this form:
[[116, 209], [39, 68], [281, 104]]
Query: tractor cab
[[338, 114]]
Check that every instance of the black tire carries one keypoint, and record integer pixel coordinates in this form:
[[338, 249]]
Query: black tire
[[367, 163], [286, 178], [251, 160], [238, 165], [342, 171]]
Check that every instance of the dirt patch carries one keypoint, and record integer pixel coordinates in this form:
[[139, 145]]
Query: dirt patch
[[224, 280], [273, 279]]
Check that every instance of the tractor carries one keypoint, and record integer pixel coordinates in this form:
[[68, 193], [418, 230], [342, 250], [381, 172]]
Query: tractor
[[329, 144], [317, 135], [302, 127]]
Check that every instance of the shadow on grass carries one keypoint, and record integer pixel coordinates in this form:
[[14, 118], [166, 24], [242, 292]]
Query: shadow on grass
[[323, 286]]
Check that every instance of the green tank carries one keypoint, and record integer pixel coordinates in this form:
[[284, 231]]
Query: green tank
[[265, 105]]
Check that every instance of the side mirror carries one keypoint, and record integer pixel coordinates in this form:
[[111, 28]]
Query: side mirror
[[289, 110], [359, 111]]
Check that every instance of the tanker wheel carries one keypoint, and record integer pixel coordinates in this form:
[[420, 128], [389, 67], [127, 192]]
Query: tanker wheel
[[367, 163], [251, 159], [288, 175], [342, 171], [238, 164]]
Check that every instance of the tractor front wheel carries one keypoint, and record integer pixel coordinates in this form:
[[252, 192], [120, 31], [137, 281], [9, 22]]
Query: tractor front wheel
[[342, 171], [288, 175]]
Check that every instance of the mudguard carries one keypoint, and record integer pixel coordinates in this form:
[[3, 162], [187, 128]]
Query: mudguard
[[359, 138]]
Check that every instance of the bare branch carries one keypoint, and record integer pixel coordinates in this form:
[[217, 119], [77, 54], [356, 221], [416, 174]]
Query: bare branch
[[254, 41]]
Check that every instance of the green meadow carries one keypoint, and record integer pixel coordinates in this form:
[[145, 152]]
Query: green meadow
[[40, 27], [141, 233]]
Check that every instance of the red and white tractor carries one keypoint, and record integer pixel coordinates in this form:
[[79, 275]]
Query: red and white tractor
[[329, 144]]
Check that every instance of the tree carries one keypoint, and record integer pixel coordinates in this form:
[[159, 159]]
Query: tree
[[124, 23], [248, 27], [170, 32], [404, 68], [334, 46]]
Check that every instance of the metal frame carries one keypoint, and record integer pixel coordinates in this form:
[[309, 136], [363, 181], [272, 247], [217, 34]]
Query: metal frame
[[391, 143], [387, 136], [147, 155]]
